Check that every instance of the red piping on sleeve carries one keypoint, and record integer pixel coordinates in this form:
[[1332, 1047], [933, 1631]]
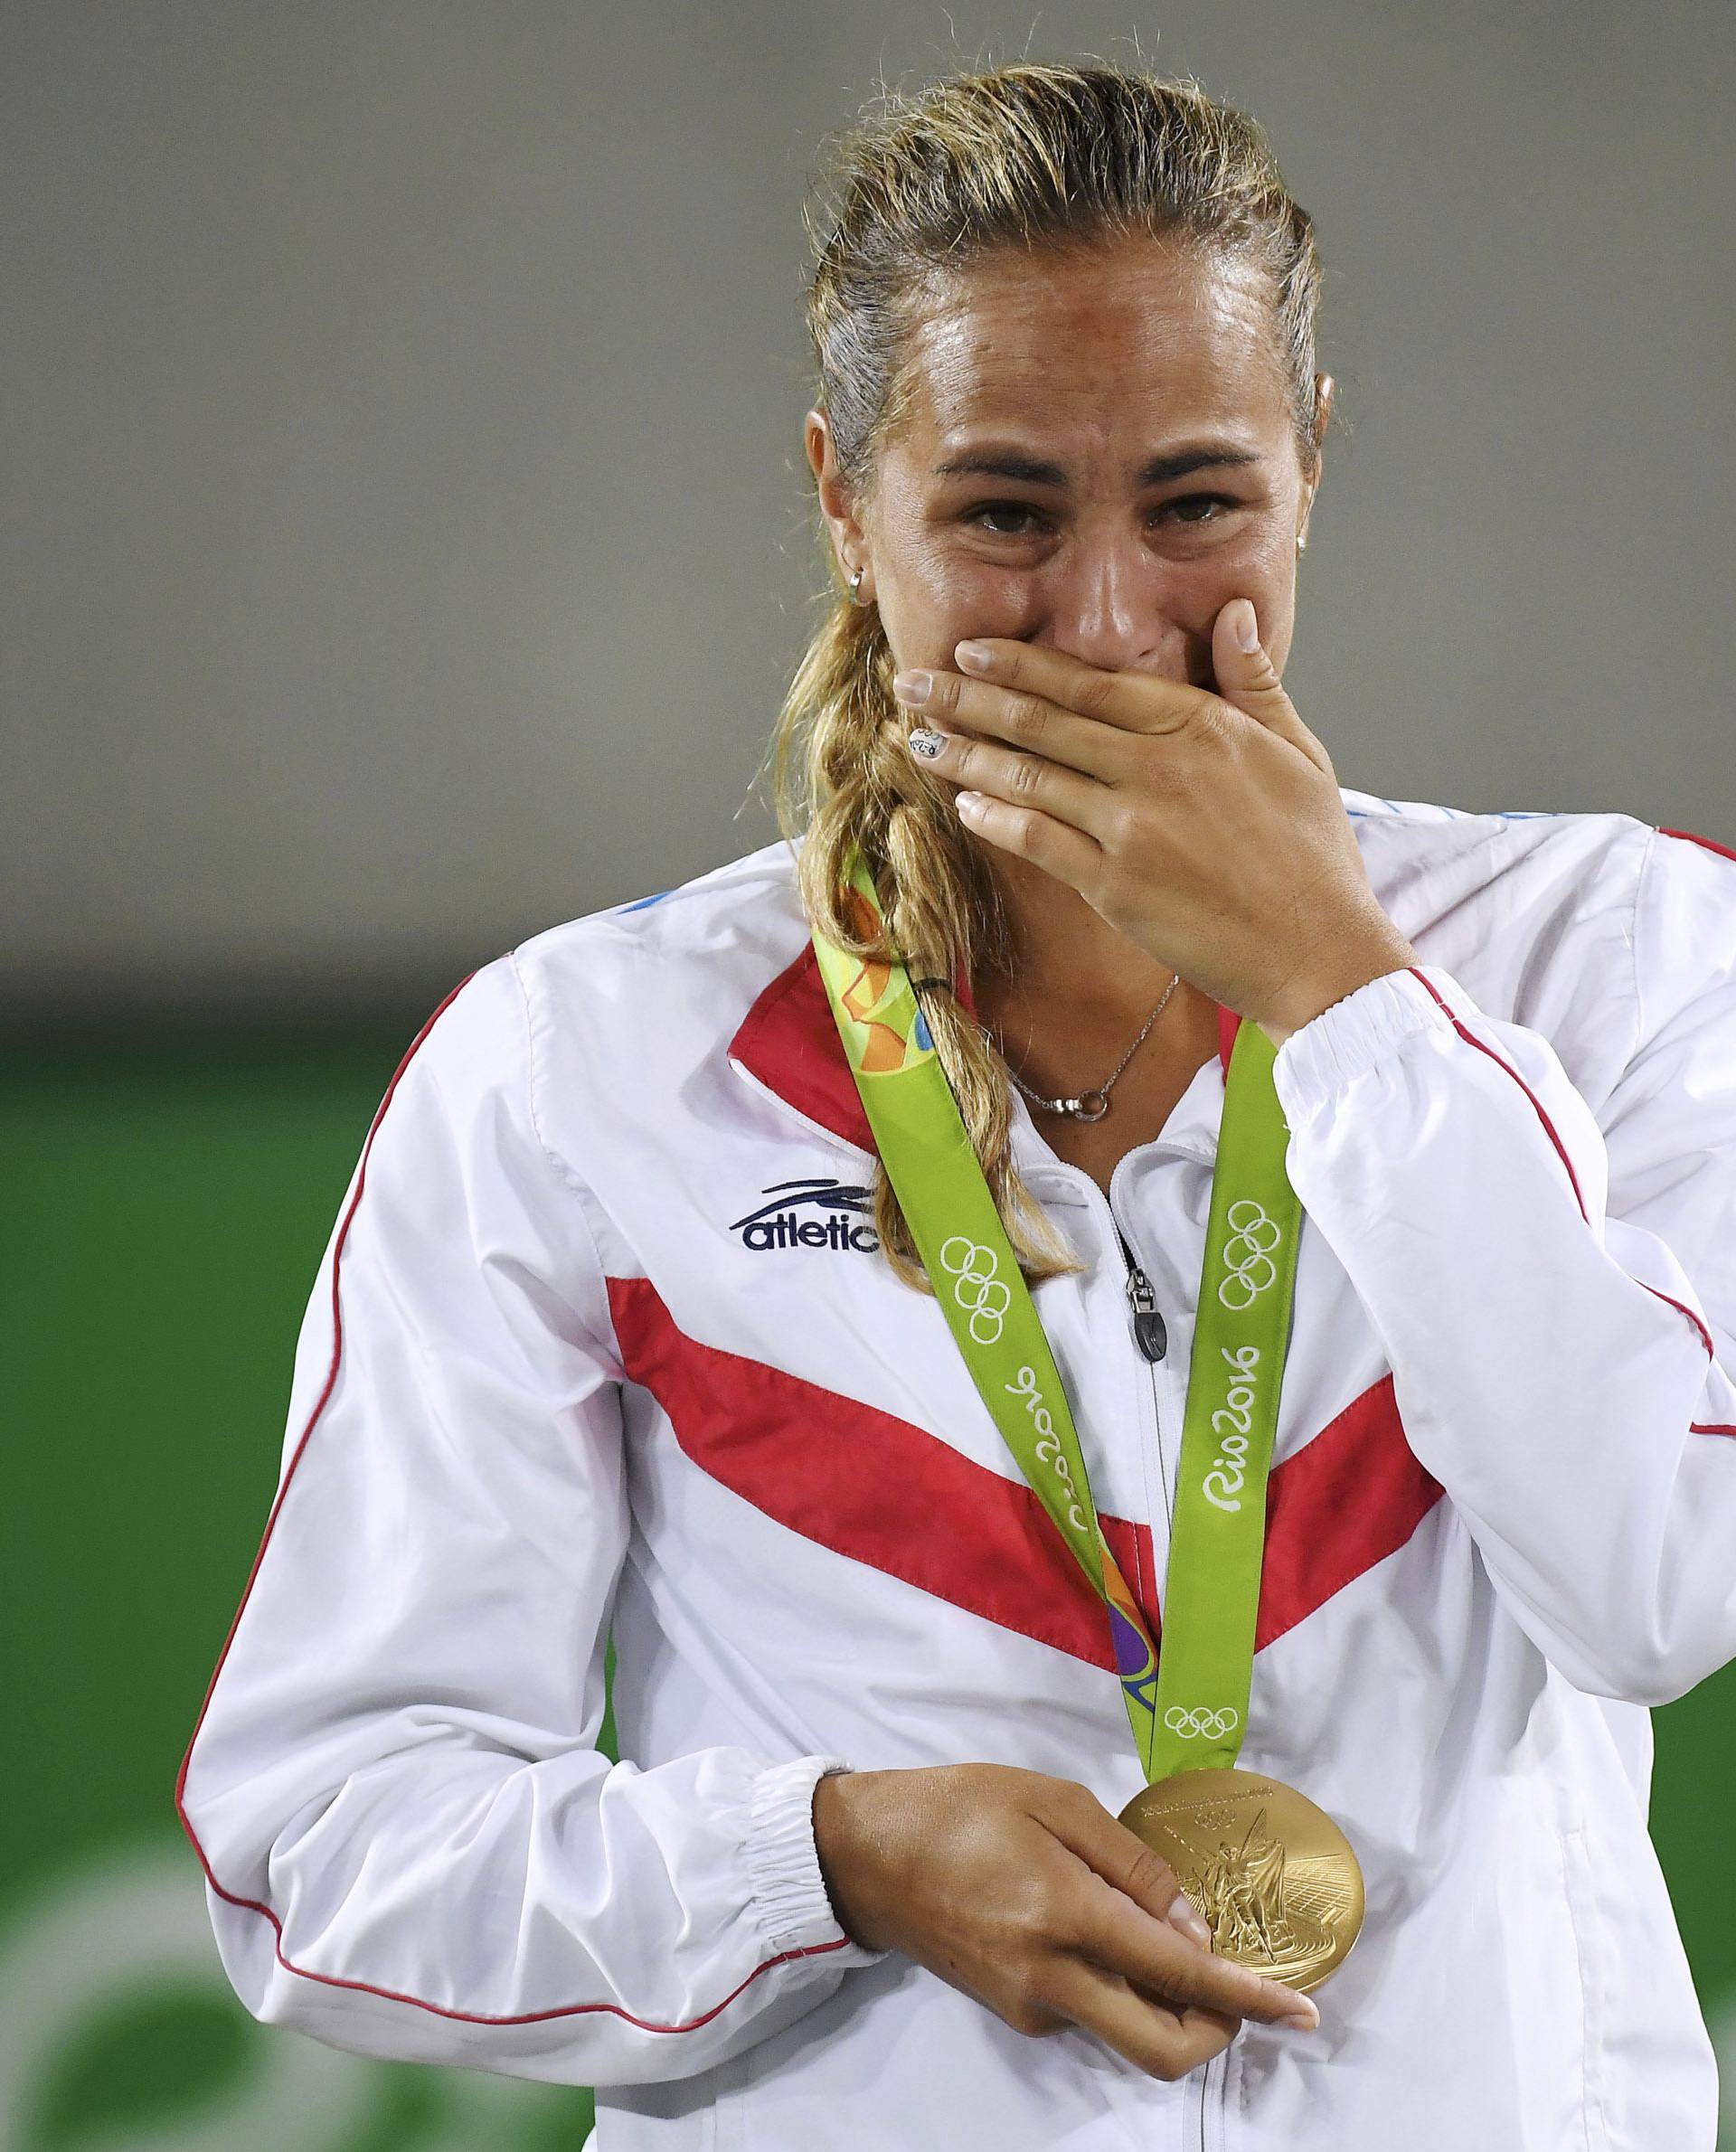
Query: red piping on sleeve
[[1669, 1300], [1711, 844], [1560, 1149], [1471, 1039], [252, 1905]]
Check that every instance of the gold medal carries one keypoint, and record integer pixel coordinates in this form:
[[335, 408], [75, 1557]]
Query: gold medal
[[1274, 1878]]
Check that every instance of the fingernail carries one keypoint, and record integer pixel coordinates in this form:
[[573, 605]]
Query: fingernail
[[926, 742], [972, 655], [1184, 1915], [1247, 630], [911, 687], [1302, 2024]]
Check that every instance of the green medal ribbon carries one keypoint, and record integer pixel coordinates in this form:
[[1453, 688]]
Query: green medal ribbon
[[1189, 1712]]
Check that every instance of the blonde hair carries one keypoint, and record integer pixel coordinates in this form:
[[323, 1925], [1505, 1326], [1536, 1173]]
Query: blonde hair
[[1029, 156]]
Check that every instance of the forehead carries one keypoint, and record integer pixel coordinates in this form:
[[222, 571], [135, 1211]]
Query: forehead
[[1098, 345]]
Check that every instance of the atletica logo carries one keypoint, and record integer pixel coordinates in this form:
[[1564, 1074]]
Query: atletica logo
[[975, 1287], [1248, 1256], [777, 1225], [1204, 1724]]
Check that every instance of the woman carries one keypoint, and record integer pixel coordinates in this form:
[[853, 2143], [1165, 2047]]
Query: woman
[[623, 1328]]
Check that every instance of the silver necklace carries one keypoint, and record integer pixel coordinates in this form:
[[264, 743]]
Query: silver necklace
[[1089, 1106]]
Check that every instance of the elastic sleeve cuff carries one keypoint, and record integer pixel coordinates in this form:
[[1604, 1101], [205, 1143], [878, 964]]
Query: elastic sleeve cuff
[[1318, 1060], [789, 1898]]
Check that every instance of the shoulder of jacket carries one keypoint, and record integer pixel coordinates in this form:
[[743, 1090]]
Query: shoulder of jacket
[[1446, 854], [471, 1049], [1640, 918], [1685, 923], [1682, 860], [703, 943], [618, 974], [620, 1010], [1427, 823]]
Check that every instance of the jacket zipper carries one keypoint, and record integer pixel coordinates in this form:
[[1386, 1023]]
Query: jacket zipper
[[1205, 2079], [1151, 1334], [1152, 1337], [1148, 1329]]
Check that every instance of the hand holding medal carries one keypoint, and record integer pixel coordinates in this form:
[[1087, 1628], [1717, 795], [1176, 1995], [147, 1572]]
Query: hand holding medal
[[1022, 1890]]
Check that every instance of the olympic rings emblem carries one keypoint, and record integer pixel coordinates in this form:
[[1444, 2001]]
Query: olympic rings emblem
[[972, 1265], [1249, 1255], [1204, 1725]]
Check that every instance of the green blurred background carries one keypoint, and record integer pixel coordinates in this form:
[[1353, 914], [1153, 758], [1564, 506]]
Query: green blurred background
[[169, 1197]]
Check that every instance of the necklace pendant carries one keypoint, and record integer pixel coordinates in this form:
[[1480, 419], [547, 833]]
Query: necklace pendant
[[1084, 1110]]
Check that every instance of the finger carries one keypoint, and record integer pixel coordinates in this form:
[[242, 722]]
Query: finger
[[1023, 720], [1248, 680], [1055, 846], [1134, 701], [1020, 780], [1128, 1924], [1164, 2043], [1124, 1938], [1118, 1856]]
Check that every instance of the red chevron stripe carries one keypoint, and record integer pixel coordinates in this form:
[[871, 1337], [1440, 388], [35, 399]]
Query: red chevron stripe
[[821, 1463], [1336, 1506], [824, 1465]]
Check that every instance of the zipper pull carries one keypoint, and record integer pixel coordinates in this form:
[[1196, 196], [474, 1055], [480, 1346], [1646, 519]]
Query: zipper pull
[[1147, 1323]]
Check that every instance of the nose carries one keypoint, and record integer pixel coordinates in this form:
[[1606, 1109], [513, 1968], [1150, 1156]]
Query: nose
[[1106, 606]]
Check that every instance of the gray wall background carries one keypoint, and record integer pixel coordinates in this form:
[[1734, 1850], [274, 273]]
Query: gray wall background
[[405, 535]]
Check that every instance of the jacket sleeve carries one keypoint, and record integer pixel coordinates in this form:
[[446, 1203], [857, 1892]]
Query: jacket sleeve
[[412, 1846], [1556, 1297]]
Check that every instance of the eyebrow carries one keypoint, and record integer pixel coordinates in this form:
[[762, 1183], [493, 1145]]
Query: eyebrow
[[995, 463]]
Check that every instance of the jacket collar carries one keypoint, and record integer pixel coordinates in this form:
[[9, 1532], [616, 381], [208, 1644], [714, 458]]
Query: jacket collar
[[788, 1042]]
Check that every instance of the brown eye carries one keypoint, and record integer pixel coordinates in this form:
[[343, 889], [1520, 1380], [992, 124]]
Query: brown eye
[[1193, 500], [1014, 508]]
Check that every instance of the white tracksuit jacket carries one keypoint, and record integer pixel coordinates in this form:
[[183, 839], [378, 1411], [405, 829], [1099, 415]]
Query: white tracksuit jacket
[[602, 1342]]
